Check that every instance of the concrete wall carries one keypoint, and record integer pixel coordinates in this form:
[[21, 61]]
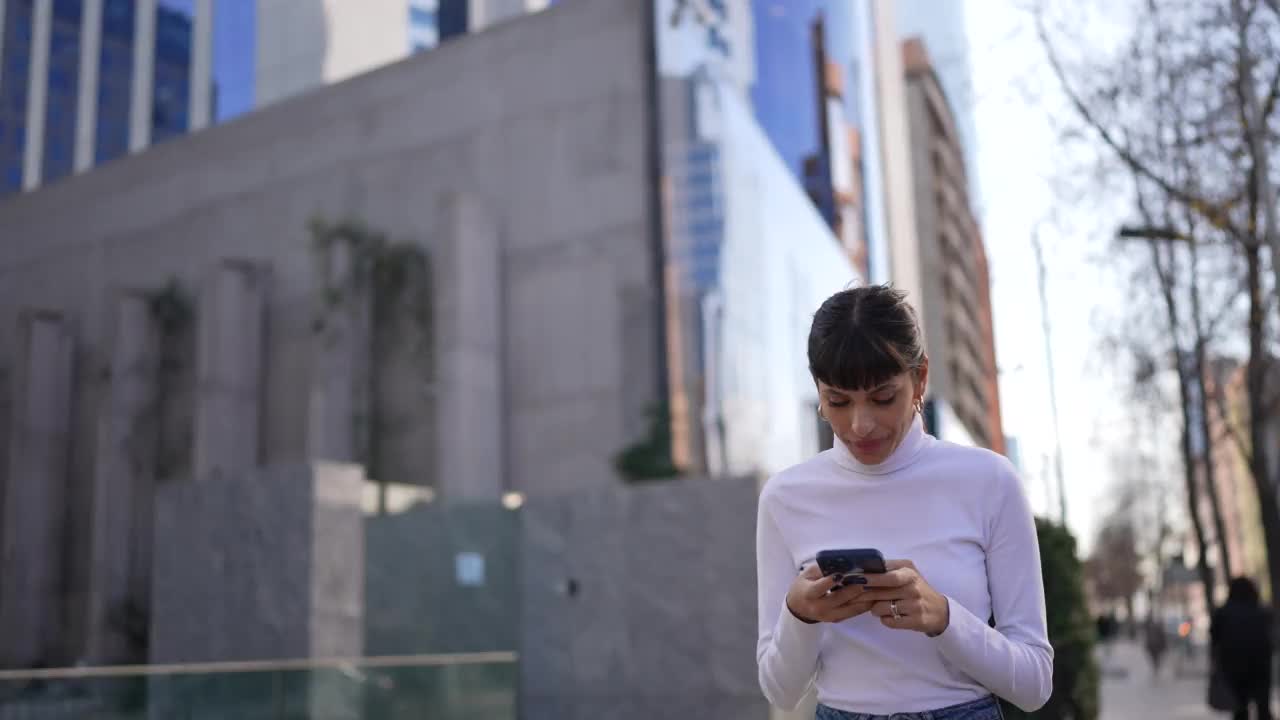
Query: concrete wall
[[257, 566], [623, 602], [662, 618], [260, 566], [543, 139]]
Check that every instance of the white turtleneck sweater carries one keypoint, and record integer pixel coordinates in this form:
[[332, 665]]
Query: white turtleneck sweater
[[961, 516]]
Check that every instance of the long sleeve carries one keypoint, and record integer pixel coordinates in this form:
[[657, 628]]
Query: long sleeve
[[787, 648], [1014, 660]]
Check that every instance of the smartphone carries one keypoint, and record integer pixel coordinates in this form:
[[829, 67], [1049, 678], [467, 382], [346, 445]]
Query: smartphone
[[850, 565]]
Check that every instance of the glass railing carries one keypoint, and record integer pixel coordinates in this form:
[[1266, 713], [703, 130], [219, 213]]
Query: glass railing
[[476, 686]]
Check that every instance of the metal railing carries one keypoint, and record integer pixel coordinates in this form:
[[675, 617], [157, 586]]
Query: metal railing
[[467, 686]]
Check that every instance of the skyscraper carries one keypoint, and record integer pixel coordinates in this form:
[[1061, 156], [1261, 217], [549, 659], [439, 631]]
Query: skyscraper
[[83, 82], [955, 305], [942, 27]]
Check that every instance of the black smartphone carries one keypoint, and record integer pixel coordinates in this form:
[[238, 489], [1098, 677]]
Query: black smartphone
[[850, 565]]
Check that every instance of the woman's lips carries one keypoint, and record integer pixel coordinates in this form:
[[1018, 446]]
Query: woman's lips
[[867, 446]]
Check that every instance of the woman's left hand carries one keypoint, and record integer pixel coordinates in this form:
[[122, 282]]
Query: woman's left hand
[[918, 606]]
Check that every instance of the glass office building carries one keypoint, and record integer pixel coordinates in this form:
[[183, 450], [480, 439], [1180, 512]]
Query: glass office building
[[62, 88], [15, 71], [171, 69], [116, 76], [767, 207], [98, 98]]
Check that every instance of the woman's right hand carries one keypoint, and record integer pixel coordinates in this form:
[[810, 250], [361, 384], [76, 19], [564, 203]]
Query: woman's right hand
[[812, 600]]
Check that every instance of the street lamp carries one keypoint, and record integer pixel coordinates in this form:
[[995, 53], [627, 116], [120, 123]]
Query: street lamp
[[1147, 232], [1053, 393]]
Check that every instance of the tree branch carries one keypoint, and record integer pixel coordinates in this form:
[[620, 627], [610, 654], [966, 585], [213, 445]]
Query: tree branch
[[1217, 214]]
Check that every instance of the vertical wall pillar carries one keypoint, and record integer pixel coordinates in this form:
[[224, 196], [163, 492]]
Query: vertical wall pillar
[[229, 366], [339, 420], [124, 480], [35, 494], [469, 345]]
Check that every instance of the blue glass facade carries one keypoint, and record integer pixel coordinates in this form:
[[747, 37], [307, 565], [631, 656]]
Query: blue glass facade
[[808, 99], [15, 69], [171, 74], [115, 80], [452, 18], [235, 52], [232, 81], [63, 89], [760, 119]]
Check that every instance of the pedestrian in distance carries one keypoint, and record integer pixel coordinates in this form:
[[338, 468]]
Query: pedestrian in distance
[[1240, 634]]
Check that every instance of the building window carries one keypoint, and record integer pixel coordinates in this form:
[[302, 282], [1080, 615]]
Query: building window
[[115, 80], [171, 74], [63, 89], [452, 18], [15, 64], [235, 52]]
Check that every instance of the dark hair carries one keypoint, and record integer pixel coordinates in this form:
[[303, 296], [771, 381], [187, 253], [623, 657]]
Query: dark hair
[[862, 337], [1243, 591]]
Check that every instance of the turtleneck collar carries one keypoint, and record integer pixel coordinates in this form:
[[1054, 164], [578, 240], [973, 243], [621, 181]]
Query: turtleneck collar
[[905, 454]]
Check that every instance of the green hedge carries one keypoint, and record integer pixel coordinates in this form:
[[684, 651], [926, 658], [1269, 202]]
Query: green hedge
[[1071, 631]]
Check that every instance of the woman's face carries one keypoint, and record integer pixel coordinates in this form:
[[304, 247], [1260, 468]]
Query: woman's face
[[872, 423]]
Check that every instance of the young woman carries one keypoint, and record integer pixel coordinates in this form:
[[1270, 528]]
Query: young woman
[[953, 521]]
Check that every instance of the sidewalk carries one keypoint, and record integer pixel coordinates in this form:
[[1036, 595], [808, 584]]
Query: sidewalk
[[1131, 692]]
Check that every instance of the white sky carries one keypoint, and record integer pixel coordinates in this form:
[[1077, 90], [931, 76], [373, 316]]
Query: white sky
[[1018, 151]]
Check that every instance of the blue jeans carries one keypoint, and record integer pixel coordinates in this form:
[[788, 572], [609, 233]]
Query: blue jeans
[[985, 709]]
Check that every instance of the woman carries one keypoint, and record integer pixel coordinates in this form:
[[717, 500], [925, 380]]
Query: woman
[[954, 520], [1240, 636]]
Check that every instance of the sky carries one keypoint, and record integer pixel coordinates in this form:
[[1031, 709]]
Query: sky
[[1020, 156]]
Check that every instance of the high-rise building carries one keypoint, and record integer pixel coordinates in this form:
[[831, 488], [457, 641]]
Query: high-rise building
[[85, 81], [942, 27], [955, 302]]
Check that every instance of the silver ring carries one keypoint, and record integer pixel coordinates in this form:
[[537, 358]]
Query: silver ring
[[893, 608]]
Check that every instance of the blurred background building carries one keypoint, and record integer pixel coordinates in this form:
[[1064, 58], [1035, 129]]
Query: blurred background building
[[955, 306], [87, 81]]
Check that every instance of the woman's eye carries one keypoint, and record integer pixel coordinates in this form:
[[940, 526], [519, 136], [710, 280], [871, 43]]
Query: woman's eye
[[837, 403], [886, 401]]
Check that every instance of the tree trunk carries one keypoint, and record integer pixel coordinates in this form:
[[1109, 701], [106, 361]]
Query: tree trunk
[[1202, 400], [1255, 117], [1259, 464], [1188, 456]]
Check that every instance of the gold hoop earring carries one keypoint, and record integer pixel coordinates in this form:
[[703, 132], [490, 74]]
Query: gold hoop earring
[[919, 405]]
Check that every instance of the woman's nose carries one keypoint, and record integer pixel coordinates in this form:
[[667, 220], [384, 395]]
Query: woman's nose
[[861, 422]]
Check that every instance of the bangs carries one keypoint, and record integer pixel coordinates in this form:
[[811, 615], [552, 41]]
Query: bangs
[[855, 361]]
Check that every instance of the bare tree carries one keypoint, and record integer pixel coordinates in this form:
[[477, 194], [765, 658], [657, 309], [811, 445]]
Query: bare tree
[[1187, 103], [1114, 565]]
